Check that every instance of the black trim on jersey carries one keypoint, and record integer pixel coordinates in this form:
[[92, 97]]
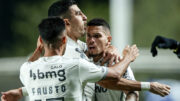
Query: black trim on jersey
[[55, 99]]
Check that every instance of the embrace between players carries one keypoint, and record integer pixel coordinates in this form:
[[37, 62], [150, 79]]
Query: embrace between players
[[71, 70]]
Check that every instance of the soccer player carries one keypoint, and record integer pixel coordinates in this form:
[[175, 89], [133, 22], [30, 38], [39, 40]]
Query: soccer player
[[54, 77], [73, 18], [75, 27], [98, 38]]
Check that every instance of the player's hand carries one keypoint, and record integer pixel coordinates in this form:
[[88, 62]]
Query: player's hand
[[12, 95], [130, 53], [110, 55], [160, 89], [132, 96], [162, 42]]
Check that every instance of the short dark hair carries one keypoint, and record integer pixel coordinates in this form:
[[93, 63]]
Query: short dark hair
[[51, 29], [98, 22], [60, 8]]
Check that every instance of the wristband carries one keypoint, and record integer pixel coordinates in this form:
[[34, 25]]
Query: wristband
[[24, 91], [145, 85]]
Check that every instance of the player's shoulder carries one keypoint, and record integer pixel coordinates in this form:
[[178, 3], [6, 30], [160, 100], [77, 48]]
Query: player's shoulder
[[77, 61], [31, 64], [25, 66], [82, 45], [71, 60], [65, 58]]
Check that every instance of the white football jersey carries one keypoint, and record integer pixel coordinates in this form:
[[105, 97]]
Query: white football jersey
[[94, 91], [73, 50], [58, 78], [104, 94]]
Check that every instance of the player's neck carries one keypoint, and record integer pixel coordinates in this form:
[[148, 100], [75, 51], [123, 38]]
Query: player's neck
[[97, 57], [53, 52], [72, 37]]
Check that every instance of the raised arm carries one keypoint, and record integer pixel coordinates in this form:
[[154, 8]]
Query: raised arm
[[117, 70], [38, 51], [110, 55], [114, 81]]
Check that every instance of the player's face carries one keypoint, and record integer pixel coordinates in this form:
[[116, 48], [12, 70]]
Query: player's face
[[96, 40], [77, 21]]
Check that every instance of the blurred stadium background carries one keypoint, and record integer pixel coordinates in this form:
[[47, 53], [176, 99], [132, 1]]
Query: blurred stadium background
[[132, 21]]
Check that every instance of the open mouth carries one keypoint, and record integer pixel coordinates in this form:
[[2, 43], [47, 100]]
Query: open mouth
[[91, 47]]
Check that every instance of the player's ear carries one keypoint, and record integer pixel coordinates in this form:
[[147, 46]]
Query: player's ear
[[66, 21], [64, 40], [40, 39], [109, 38]]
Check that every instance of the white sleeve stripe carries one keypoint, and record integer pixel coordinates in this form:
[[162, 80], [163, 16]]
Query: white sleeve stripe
[[24, 91]]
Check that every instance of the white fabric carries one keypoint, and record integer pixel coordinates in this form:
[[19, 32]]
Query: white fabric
[[103, 94], [109, 95], [76, 50], [145, 85], [24, 91], [73, 50], [59, 78]]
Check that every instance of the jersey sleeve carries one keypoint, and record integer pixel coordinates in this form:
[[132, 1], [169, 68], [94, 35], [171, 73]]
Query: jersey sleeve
[[24, 71], [22, 77], [129, 74], [89, 72]]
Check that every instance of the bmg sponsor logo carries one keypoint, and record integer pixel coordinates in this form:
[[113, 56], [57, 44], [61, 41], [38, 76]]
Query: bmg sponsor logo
[[60, 74]]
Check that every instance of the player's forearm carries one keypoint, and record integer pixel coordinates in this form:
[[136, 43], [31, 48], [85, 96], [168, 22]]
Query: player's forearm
[[129, 85], [20, 93], [124, 84], [35, 55], [12, 95], [117, 70]]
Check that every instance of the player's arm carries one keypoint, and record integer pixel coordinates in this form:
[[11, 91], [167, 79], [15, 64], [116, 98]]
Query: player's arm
[[118, 69], [165, 43], [38, 51], [90, 72], [16, 94], [114, 81], [12, 95], [132, 96], [131, 85], [110, 55]]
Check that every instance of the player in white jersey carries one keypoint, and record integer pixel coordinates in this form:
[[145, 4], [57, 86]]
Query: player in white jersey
[[75, 21], [56, 78], [98, 38]]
